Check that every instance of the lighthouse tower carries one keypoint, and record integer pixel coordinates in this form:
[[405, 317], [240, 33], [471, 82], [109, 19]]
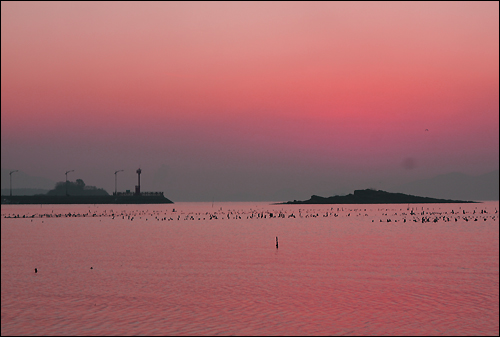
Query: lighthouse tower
[[138, 187]]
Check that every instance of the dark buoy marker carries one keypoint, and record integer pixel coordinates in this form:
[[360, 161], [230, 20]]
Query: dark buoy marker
[[276, 242], [91, 267], [36, 271]]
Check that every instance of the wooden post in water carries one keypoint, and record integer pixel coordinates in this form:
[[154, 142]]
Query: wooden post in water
[[276, 242]]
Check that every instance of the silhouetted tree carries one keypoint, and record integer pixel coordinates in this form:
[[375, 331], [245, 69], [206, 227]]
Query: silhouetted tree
[[76, 188], [80, 183]]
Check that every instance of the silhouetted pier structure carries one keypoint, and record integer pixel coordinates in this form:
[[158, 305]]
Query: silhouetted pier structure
[[126, 197]]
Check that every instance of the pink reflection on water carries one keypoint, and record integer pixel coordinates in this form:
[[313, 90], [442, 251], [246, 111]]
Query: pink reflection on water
[[331, 274]]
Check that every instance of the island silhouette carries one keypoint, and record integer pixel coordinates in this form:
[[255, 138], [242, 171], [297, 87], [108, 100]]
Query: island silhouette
[[372, 196]]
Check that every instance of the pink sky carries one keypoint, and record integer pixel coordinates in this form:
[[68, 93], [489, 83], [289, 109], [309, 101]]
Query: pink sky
[[342, 91]]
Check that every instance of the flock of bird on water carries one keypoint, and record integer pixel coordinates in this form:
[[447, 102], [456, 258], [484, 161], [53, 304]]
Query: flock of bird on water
[[387, 215], [415, 214]]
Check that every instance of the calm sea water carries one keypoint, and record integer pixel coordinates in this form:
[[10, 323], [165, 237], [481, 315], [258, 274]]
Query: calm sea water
[[203, 269]]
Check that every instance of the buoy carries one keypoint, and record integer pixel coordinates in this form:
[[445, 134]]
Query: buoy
[[276, 242]]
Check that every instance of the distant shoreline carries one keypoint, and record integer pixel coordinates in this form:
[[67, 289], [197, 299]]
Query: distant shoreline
[[97, 199], [369, 196]]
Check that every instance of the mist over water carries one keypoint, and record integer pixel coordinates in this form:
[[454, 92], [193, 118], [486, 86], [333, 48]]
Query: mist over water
[[203, 269]]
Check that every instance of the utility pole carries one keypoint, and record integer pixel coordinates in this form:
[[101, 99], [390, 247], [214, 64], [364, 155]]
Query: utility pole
[[67, 181], [11, 181], [115, 179]]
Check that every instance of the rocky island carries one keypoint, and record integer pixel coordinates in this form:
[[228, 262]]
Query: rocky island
[[371, 196]]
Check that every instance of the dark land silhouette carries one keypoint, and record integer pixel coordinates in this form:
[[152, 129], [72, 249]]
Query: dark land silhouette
[[370, 196], [199, 185], [86, 199], [78, 193], [24, 191], [77, 188], [68, 192]]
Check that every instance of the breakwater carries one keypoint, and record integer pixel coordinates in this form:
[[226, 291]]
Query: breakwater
[[96, 199]]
